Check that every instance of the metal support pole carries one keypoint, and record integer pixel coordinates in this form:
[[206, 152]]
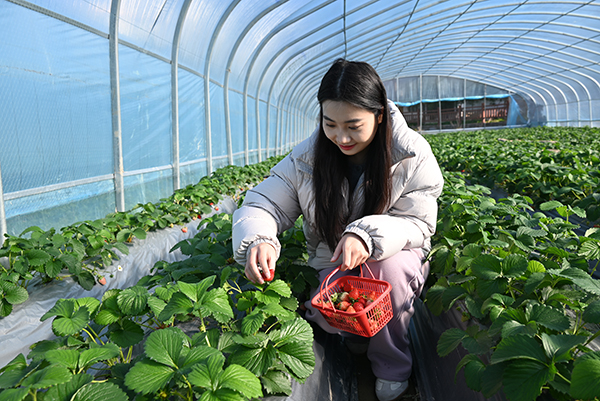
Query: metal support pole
[[3, 227], [421, 103], [484, 103], [439, 102], [175, 93], [116, 105], [464, 103]]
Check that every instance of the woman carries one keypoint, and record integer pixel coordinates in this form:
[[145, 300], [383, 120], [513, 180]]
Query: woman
[[367, 187]]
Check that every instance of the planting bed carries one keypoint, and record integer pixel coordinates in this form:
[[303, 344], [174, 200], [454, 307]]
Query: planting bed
[[510, 308]]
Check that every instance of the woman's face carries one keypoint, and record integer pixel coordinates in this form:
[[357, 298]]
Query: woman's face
[[351, 128]]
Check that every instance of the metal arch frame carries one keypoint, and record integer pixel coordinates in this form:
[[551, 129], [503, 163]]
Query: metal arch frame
[[175, 92], [226, 83], [209, 51], [3, 226], [255, 55], [116, 104], [285, 63]]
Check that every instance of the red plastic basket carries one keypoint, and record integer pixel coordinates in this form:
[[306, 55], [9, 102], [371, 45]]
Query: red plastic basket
[[365, 323]]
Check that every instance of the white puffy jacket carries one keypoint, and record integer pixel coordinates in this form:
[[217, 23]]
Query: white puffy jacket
[[274, 205]]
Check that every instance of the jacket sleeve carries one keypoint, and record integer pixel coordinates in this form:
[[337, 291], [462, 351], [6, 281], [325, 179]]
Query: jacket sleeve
[[412, 218], [268, 209]]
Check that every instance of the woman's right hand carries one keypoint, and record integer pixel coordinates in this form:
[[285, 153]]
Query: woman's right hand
[[260, 263]]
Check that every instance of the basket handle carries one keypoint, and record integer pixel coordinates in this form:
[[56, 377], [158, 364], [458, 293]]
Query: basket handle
[[325, 283]]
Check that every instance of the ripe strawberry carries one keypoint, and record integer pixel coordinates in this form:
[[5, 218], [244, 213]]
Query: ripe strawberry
[[358, 306], [344, 305], [372, 296], [353, 293], [184, 229], [347, 287], [351, 309], [369, 302], [362, 301], [102, 280], [270, 275]]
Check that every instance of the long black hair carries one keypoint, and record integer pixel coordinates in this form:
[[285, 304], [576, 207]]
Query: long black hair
[[359, 84]]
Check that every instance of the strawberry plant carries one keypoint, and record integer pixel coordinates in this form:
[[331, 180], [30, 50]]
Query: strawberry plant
[[522, 280], [83, 249]]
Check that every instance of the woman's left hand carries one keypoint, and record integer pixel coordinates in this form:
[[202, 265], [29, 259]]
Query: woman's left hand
[[353, 250]]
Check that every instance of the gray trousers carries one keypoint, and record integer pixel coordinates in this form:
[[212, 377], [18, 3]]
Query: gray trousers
[[388, 350]]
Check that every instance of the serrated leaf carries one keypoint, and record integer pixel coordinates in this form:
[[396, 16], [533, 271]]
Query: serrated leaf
[[216, 303], [148, 376], [91, 356], [267, 297], [47, 377], [560, 345], [299, 358], [486, 267], [65, 391], [276, 382], [67, 358], [178, 304], [584, 379], [133, 300], [237, 378], [37, 257], [126, 334], [252, 322], [518, 347], [100, 392], [551, 205], [523, 380], [549, 317], [258, 360], [14, 294], [280, 287], [253, 341], [165, 346], [107, 316], [205, 374], [69, 325], [298, 330], [591, 314], [14, 394], [290, 303], [514, 265], [198, 354], [449, 340]]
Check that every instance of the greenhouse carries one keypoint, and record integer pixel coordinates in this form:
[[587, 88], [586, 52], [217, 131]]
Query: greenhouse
[[133, 131]]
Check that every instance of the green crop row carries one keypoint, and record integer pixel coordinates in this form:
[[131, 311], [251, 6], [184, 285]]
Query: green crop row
[[522, 281], [543, 163], [190, 330], [82, 250]]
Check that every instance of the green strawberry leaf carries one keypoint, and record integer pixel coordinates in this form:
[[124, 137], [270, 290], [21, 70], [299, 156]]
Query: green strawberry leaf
[[591, 314], [165, 346], [280, 287], [239, 379], [91, 356], [126, 334], [550, 317], [133, 300], [518, 347], [178, 304], [68, 358], [216, 303], [523, 379], [14, 394], [299, 358], [449, 340], [298, 330], [47, 377], [65, 391], [252, 322], [100, 392], [276, 382], [486, 267], [148, 376], [584, 379]]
